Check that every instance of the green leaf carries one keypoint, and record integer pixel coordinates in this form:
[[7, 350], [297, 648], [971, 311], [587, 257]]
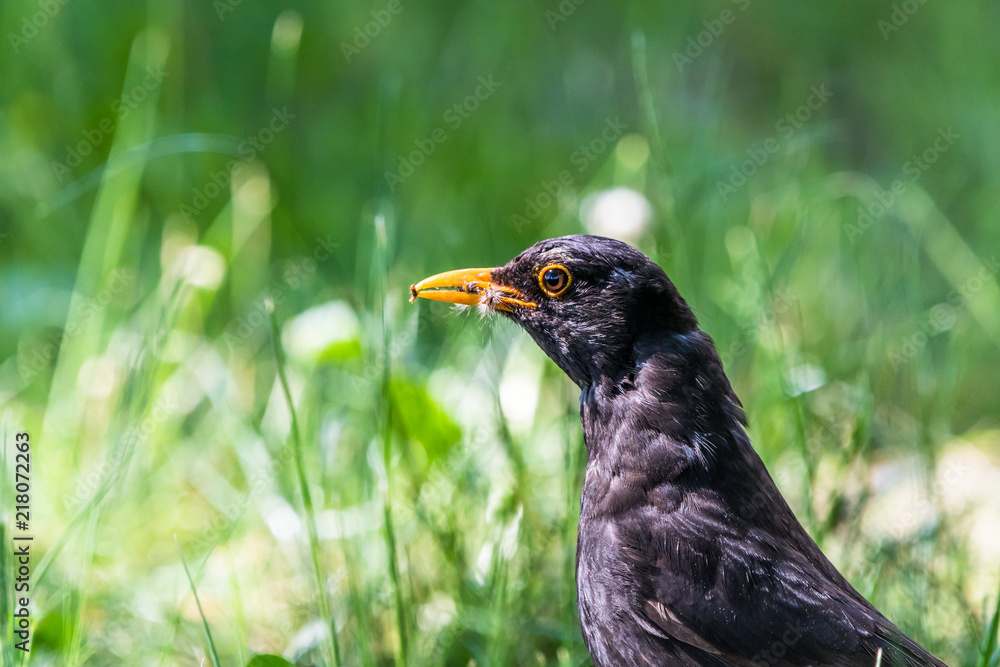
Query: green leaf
[[268, 660], [422, 419], [989, 653], [52, 633]]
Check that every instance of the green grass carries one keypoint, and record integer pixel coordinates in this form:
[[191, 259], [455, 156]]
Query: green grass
[[201, 612], [307, 503], [362, 481]]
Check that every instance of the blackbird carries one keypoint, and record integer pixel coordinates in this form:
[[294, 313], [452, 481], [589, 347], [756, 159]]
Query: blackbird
[[687, 554]]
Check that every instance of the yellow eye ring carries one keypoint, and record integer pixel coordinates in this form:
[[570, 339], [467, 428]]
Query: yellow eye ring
[[554, 279]]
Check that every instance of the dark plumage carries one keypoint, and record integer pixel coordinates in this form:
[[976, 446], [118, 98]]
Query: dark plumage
[[687, 553]]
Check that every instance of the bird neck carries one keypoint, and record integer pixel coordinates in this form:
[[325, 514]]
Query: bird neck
[[673, 386]]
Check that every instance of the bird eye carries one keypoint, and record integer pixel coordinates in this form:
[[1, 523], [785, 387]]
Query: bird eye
[[554, 279]]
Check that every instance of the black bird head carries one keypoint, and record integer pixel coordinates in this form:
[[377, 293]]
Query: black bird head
[[585, 300]]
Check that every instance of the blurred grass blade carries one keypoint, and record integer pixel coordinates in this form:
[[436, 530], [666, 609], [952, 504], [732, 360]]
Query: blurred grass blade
[[956, 260], [204, 621], [662, 192], [106, 238], [989, 652], [136, 401], [307, 504], [286, 37], [142, 153], [380, 270], [640, 70]]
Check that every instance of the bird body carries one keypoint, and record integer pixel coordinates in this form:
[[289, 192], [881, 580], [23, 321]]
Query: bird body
[[686, 547], [687, 553]]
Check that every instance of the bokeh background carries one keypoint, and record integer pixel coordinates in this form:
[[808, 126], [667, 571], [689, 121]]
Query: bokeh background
[[819, 180]]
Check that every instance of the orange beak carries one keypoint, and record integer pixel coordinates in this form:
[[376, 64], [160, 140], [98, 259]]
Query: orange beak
[[469, 287]]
